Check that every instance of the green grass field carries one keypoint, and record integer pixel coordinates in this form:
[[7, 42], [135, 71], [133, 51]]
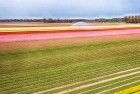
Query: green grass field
[[76, 68]]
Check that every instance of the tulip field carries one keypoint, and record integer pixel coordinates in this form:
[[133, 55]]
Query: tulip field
[[75, 61]]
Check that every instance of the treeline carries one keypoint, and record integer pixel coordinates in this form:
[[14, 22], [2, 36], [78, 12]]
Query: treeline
[[132, 19], [44, 20], [103, 20], [127, 19], [51, 20]]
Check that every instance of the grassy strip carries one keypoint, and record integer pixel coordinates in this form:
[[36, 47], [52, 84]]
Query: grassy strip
[[109, 89], [41, 69], [107, 85]]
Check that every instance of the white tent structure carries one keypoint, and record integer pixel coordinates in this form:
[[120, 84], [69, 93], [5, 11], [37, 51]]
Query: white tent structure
[[80, 24]]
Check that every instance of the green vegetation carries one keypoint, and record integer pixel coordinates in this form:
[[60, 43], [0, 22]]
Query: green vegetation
[[33, 71]]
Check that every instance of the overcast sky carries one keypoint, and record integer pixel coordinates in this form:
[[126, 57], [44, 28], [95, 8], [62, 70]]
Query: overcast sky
[[68, 8]]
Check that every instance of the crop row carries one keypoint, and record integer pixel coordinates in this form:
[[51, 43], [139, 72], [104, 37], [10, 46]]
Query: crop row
[[46, 69]]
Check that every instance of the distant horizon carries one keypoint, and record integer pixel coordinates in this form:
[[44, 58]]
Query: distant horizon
[[106, 17], [69, 17]]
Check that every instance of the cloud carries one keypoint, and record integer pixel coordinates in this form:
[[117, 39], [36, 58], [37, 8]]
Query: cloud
[[68, 8]]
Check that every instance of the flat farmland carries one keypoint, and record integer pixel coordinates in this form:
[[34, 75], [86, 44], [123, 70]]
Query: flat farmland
[[90, 61]]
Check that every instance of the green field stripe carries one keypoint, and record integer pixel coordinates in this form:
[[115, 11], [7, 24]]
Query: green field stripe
[[99, 78], [98, 69], [119, 87], [103, 86], [75, 85], [46, 61], [65, 87], [65, 65], [27, 62], [106, 64], [117, 67], [122, 85], [12, 79], [110, 85], [8, 77], [62, 69], [98, 82]]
